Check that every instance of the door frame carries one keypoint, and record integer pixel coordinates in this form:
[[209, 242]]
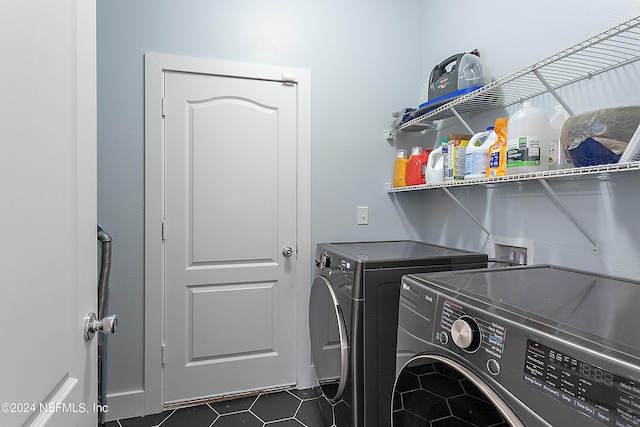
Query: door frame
[[155, 66]]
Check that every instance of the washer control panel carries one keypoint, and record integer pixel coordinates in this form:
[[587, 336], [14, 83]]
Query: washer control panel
[[465, 333], [609, 398], [556, 375], [470, 332]]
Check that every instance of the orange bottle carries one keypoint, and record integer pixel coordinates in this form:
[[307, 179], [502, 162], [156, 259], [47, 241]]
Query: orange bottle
[[400, 170], [497, 155], [416, 166]]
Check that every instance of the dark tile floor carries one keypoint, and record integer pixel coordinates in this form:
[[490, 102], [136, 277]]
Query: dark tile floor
[[431, 395], [290, 408], [434, 395]]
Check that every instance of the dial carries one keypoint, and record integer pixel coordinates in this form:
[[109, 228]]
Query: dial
[[465, 333]]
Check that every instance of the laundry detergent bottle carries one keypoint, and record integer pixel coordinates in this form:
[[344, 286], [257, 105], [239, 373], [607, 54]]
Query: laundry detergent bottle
[[433, 171], [476, 155], [400, 169], [497, 155], [416, 166], [528, 135], [557, 157]]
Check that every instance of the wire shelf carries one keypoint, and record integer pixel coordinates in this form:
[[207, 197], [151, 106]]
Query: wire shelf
[[613, 48], [553, 174]]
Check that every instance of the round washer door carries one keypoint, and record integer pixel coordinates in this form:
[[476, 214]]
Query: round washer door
[[329, 343], [431, 386]]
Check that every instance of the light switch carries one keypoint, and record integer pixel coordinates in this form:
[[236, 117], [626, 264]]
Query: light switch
[[363, 215]]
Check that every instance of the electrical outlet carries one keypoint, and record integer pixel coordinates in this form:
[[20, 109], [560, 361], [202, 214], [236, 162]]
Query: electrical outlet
[[513, 254], [513, 251], [363, 215]]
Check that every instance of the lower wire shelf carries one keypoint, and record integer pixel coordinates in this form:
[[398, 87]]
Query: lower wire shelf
[[566, 173]]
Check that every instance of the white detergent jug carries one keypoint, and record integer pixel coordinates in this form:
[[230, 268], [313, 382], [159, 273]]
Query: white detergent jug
[[528, 134], [477, 154], [557, 157], [433, 172]]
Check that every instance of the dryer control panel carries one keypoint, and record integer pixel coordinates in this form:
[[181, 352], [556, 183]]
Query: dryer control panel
[[338, 270]]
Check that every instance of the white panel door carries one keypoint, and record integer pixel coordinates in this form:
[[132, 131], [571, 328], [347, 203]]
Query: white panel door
[[230, 209], [48, 372]]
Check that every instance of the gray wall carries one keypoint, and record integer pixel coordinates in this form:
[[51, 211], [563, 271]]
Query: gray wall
[[367, 59], [363, 66], [607, 208]]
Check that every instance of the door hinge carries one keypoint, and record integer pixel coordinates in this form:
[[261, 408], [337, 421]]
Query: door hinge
[[163, 230], [162, 349], [164, 107], [288, 79]]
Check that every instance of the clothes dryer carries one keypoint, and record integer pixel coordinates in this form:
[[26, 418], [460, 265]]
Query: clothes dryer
[[353, 314], [533, 346]]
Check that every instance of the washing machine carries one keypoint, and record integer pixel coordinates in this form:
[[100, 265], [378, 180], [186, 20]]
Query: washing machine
[[521, 346], [353, 315]]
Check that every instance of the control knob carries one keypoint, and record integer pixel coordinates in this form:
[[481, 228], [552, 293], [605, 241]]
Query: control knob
[[465, 333]]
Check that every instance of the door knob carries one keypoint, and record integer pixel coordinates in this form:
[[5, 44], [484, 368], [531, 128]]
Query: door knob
[[287, 251], [106, 325]]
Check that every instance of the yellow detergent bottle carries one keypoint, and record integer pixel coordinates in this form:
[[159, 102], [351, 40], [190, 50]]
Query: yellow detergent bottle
[[400, 170]]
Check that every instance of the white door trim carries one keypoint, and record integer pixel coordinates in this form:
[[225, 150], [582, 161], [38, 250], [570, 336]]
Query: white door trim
[[155, 66]]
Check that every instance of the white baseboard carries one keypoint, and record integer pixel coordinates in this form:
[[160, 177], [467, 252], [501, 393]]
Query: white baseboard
[[125, 405]]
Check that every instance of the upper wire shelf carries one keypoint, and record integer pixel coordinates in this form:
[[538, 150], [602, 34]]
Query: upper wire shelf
[[613, 48]]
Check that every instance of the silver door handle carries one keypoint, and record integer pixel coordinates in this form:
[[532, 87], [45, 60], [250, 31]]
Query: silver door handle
[[287, 251], [106, 325]]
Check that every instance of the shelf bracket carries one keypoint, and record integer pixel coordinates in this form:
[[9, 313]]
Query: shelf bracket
[[464, 123], [553, 92], [569, 215], [459, 203]]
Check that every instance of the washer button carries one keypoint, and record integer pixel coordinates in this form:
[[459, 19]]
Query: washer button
[[493, 367], [443, 338]]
